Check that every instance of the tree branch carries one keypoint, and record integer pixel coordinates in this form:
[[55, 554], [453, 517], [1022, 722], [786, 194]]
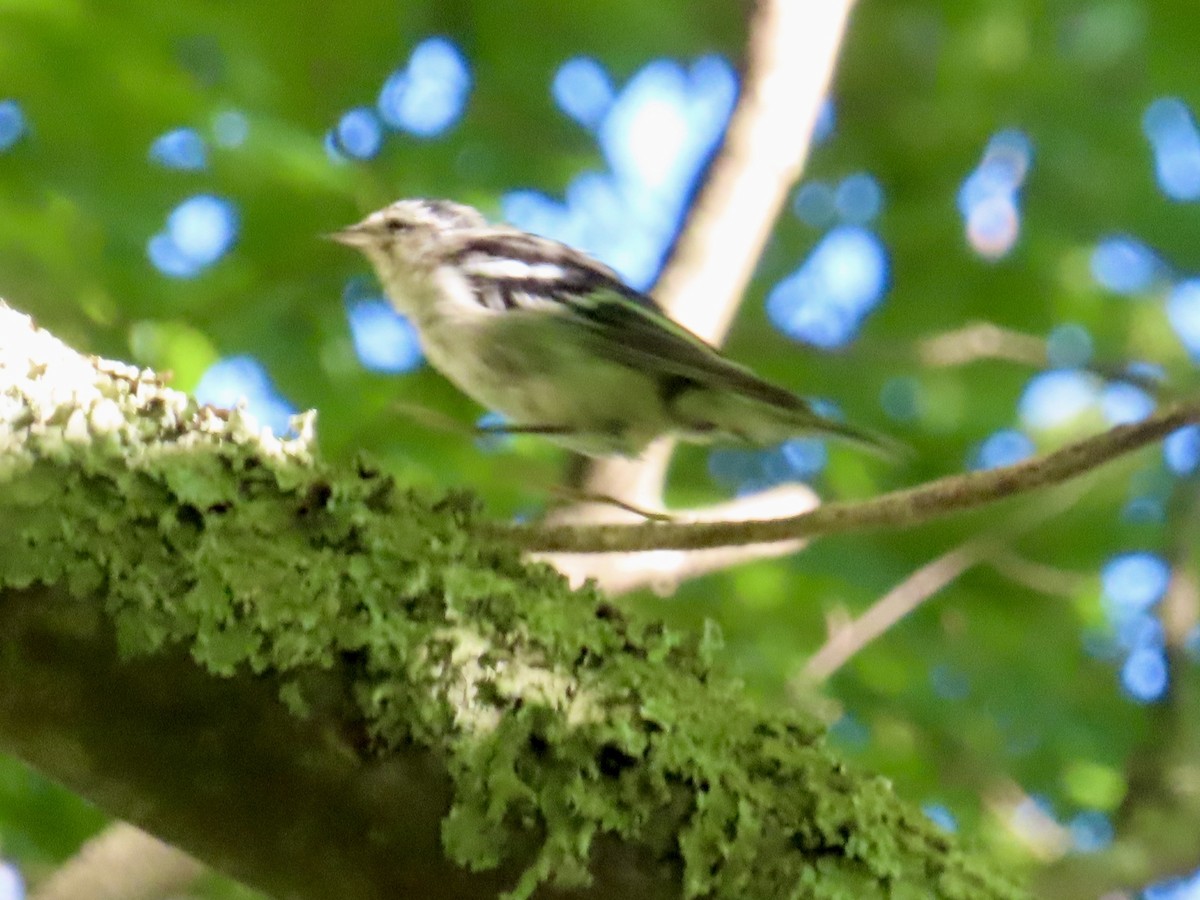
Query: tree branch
[[848, 638], [663, 570], [122, 863], [898, 509], [978, 341], [330, 686]]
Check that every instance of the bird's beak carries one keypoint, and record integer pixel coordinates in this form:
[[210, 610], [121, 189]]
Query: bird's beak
[[353, 236]]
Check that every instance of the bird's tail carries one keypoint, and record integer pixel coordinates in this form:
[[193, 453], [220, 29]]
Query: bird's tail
[[769, 414], [873, 442]]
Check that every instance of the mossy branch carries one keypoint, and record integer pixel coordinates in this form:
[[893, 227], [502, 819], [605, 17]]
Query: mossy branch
[[898, 509], [327, 686]]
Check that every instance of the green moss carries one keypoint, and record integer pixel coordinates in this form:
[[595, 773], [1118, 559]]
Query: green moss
[[555, 710]]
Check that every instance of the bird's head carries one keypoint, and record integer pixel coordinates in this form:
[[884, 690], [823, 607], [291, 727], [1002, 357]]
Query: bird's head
[[408, 232]]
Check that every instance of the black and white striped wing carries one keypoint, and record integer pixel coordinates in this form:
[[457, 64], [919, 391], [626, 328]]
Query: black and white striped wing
[[513, 270]]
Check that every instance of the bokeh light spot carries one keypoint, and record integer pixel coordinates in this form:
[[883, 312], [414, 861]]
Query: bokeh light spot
[[427, 96], [181, 148], [230, 128], [236, 378], [12, 123], [940, 816], [203, 227], [1133, 582], [12, 885], [858, 198], [1183, 311], [1068, 346], [1091, 831], [1186, 888], [1056, 397], [993, 225], [656, 136], [1123, 403], [384, 340], [1124, 266], [666, 121], [583, 90], [1144, 674], [1181, 450], [826, 122], [816, 204], [825, 301], [199, 231], [900, 398], [850, 731], [359, 133], [1171, 130], [168, 258], [744, 470], [1003, 448], [987, 199]]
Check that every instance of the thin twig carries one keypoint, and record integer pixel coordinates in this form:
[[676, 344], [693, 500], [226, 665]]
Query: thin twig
[[898, 509], [1179, 610], [852, 636], [1053, 581], [981, 340], [663, 570], [986, 340], [848, 638]]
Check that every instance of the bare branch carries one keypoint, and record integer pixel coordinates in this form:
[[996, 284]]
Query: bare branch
[[986, 340], [122, 863], [849, 637], [898, 509], [981, 340], [1053, 581], [663, 570]]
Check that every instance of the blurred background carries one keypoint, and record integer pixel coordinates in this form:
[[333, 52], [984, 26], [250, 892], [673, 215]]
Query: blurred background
[[995, 248]]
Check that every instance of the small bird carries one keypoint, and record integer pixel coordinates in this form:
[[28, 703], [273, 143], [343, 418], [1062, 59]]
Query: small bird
[[560, 346]]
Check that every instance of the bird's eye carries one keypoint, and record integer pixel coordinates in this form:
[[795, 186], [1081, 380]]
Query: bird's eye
[[395, 226]]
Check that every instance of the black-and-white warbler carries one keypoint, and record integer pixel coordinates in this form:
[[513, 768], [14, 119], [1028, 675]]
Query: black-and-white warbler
[[559, 345]]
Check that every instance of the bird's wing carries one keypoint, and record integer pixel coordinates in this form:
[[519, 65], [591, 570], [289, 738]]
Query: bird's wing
[[649, 341], [645, 338], [514, 270], [511, 269]]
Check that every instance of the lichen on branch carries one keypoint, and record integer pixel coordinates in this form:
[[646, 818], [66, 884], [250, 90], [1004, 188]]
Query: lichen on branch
[[390, 623]]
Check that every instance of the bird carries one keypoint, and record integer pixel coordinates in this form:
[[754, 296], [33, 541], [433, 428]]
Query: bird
[[559, 345]]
